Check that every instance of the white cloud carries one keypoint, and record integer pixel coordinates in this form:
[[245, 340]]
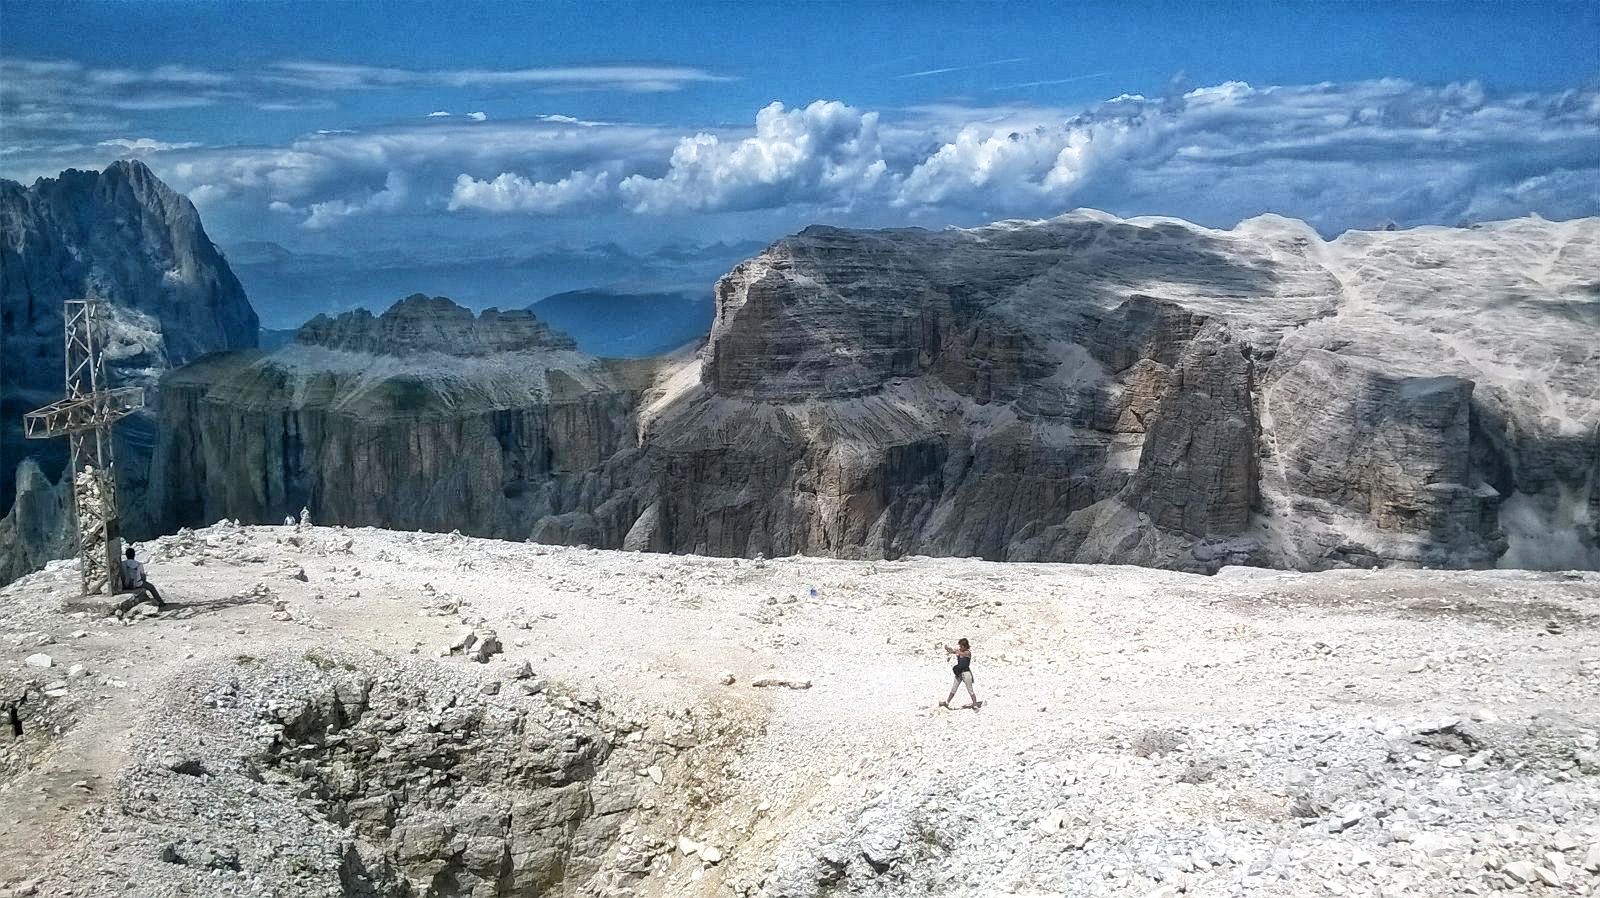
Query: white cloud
[[346, 76], [513, 193], [36, 85], [391, 198], [146, 145], [170, 74], [46, 99], [348, 166], [568, 120], [1339, 155], [439, 114], [295, 105], [826, 154]]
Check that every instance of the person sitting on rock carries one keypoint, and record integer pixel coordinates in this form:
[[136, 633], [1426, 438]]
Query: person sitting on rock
[[963, 671], [133, 580]]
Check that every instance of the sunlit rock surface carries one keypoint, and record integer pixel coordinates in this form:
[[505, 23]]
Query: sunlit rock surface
[[1083, 389]]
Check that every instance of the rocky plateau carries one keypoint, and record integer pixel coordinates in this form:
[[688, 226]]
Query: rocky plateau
[[325, 711], [1084, 389]]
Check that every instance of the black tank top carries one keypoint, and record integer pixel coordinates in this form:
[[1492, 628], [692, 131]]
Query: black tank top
[[963, 664]]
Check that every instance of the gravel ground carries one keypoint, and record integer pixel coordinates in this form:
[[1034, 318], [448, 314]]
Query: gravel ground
[[1143, 732]]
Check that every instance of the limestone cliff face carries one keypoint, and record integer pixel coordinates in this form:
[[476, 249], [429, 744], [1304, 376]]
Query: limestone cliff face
[[123, 236], [39, 527], [1083, 389], [478, 423], [1143, 391]]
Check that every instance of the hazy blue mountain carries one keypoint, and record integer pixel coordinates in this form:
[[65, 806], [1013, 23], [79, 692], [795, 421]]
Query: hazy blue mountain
[[609, 323], [271, 339], [288, 287]]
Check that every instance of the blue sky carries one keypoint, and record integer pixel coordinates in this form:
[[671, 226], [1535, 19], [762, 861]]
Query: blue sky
[[313, 126]]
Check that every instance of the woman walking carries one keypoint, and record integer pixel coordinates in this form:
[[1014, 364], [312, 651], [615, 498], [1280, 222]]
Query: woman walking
[[963, 671]]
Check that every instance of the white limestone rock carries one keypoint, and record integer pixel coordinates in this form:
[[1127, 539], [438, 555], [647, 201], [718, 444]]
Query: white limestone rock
[[1085, 388]]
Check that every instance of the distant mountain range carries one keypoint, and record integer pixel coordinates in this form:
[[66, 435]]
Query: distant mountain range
[[605, 323], [288, 288], [1084, 388], [628, 325]]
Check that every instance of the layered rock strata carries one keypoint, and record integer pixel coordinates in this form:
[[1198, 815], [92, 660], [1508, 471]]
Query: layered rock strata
[[479, 423], [1085, 389]]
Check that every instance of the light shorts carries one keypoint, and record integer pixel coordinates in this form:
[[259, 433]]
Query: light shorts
[[964, 678]]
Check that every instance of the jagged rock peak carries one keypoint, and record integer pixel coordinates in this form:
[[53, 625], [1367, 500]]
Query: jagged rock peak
[[122, 236], [421, 324], [128, 177]]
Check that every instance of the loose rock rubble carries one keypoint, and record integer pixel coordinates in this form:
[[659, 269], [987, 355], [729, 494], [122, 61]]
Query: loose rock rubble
[[649, 730]]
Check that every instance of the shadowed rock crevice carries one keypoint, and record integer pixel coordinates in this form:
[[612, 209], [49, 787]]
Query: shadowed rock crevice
[[396, 784]]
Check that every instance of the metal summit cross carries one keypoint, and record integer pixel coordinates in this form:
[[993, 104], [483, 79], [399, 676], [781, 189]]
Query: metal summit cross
[[85, 418]]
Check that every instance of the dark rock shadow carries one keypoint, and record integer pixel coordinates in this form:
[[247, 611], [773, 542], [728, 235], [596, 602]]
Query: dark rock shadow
[[178, 609]]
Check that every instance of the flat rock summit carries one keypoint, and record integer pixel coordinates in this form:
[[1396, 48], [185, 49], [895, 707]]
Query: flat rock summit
[[326, 712], [1086, 389]]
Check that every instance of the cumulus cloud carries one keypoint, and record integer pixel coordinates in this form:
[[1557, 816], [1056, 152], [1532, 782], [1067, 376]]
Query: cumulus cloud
[[1339, 155], [392, 197], [334, 178], [826, 154], [478, 116], [513, 193]]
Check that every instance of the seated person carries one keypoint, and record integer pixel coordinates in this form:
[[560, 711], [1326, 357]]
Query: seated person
[[133, 579]]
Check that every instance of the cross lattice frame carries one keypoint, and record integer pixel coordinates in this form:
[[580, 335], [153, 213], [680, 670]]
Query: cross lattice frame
[[85, 417]]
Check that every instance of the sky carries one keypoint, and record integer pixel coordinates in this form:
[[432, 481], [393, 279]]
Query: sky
[[430, 136]]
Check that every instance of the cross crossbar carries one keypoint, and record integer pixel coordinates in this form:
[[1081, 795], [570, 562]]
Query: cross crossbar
[[98, 409]]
